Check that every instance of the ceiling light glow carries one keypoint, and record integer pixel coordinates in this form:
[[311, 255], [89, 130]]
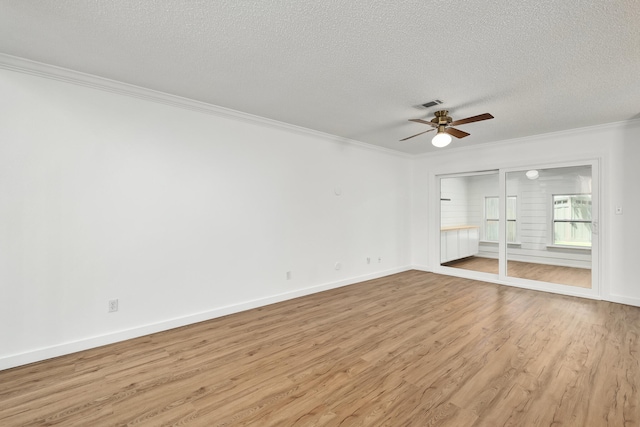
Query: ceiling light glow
[[441, 140]]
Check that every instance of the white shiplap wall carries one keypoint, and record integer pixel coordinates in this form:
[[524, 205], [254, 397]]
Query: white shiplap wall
[[454, 201]]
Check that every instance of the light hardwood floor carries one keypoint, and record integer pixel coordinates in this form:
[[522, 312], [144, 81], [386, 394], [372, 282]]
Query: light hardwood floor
[[571, 276], [412, 349]]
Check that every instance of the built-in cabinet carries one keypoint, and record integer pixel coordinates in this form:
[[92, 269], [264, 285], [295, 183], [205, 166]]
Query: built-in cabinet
[[458, 242]]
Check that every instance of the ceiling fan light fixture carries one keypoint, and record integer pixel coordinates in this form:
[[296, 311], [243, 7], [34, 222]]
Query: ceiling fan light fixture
[[441, 139]]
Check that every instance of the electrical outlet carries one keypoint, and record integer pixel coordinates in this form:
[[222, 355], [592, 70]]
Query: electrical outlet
[[288, 275], [368, 260], [379, 260], [113, 305]]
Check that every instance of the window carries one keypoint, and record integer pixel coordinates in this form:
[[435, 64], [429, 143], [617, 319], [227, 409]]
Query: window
[[492, 216], [572, 220]]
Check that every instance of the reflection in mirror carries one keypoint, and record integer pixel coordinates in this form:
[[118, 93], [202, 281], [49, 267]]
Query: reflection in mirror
[[550, 239], [469, 215]]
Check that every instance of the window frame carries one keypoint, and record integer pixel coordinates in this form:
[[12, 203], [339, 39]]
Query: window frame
[[486, 220], [552, 242]]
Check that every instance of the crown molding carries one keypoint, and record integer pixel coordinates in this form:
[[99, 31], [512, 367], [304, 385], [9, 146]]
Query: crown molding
[[52, 72], [26, 66]]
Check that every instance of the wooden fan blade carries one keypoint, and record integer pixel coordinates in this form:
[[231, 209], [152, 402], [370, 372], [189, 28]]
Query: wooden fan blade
[[456, 132], [485, 116], [417, 134], [435, 125]]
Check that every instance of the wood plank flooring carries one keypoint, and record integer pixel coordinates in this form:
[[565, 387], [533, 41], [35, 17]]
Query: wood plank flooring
[[412, 349], [571, 276]]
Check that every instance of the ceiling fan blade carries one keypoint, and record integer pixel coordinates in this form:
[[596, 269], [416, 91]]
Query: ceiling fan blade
[[485, 116], [417, 134], [435, 125], [456, 132]]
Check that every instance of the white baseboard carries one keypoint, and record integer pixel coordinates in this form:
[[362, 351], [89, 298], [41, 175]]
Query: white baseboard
[[622, 300], [564, 262], [62, 349]]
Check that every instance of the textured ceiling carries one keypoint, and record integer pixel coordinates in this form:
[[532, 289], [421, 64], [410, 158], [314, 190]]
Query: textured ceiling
[[356, 68]]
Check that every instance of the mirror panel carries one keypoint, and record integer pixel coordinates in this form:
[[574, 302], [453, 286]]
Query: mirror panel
[[469, 221], [549, 225]]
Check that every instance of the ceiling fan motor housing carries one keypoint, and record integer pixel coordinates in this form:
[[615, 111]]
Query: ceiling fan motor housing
[[441, 118]]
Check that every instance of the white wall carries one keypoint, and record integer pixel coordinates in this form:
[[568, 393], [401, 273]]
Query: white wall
[[624, 229], [180, 215], [481, 186], [617, 148], [185, 216], [454, 203]]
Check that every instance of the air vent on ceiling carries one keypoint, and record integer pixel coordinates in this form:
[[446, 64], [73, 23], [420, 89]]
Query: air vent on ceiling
[[431, 103]]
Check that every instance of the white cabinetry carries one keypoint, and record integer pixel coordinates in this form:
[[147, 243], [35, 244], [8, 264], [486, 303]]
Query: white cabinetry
[[458, 242]]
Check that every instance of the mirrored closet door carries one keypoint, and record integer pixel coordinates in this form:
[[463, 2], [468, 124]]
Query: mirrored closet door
[[550, 225], [469, 221], [527, 227]]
